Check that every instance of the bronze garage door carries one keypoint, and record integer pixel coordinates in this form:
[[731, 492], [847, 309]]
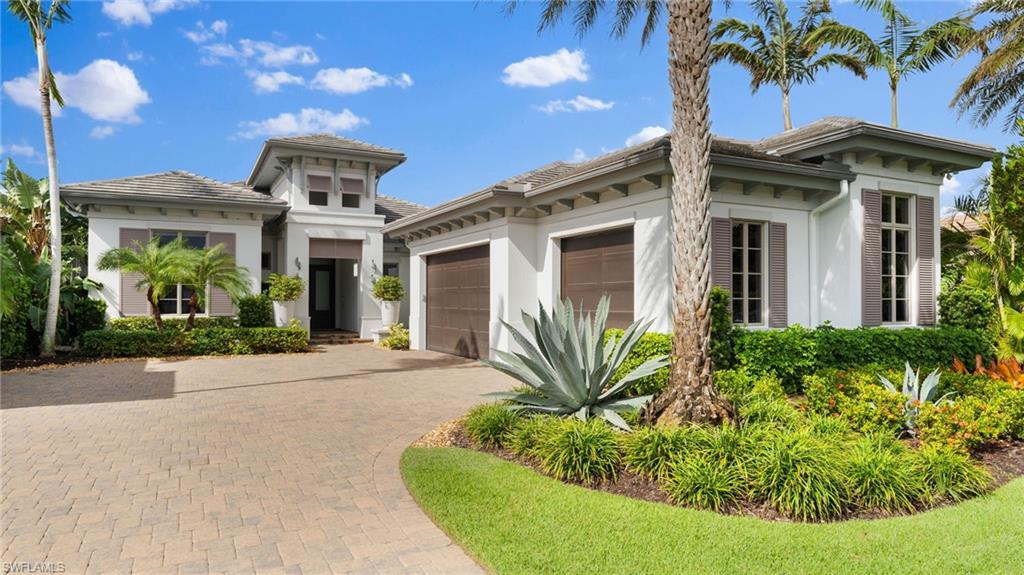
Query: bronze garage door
[[598, 264], [459, 301]]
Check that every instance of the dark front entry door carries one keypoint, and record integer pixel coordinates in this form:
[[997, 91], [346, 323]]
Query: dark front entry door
[[321, 296]]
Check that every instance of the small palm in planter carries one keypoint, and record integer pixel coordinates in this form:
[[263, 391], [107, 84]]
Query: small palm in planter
[[283, 291], [389, 291], [570, 364]]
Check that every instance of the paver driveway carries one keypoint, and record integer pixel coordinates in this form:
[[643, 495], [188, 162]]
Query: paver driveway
[[267, 464]]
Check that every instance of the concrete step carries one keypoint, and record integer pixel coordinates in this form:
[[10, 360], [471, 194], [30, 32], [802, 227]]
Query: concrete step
[[335, 338]]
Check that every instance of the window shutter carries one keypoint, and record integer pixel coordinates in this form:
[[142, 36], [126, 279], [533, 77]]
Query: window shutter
[[219, 303], [721, 253], [925, 261], [133, 301], [319, 183], [871, 260], [352, 186], [777, 312]]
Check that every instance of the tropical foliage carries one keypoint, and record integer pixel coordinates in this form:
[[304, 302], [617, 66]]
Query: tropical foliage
[[997, 82], [285, 287], [212, 268], [915, 393]]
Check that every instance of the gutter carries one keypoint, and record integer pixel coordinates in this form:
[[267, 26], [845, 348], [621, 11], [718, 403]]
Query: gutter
[[815, 296], [241, 205]]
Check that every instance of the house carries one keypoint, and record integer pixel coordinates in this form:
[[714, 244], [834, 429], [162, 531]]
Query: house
[[835, 221]]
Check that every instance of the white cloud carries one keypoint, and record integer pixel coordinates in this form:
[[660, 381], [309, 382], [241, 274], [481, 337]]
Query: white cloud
[[101, 132], [950, 186], [22, 150], [103, 34], [266, 82], [267, 53], [577, 104], [134, 56], [202, 34], [104, 90], [308, 120], [356, 80], [132, 12], [578, 155], [548, 70], [648, 133]]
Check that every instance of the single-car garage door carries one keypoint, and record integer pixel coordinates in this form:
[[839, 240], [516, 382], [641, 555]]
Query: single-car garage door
[[598, 264], [459, 301]]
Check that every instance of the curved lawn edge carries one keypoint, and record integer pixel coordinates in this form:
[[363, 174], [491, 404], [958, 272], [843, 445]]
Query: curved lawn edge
[[514, 520]]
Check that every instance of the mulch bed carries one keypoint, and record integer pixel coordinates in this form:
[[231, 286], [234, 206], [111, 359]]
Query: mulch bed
[[1004, 460]]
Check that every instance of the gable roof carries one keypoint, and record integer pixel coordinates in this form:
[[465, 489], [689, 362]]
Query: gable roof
[[176, 186], [394, 209]]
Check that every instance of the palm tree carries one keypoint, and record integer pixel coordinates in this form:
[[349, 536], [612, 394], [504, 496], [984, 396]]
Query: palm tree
[[779, 51], [24, 210], [998, 79], [214, 268], [160, 265], [690, 396], [903, 49], [39, 22]]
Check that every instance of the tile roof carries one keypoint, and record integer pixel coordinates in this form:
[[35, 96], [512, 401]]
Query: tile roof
[[332, 141], [821, 127], [177, 185], [395, 209]]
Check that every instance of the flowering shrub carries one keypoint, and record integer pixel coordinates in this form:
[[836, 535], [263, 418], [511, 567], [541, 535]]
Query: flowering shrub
[[965, 424]]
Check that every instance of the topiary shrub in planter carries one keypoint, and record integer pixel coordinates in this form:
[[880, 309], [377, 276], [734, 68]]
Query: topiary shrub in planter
[[255, 311], [388, 290], [283, 291]]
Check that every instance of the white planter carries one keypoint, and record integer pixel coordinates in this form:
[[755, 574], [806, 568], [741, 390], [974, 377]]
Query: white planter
[[283, 313], [389, 312]]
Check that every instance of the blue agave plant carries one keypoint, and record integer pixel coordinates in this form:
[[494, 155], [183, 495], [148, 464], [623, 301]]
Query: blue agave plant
[[915, 392]]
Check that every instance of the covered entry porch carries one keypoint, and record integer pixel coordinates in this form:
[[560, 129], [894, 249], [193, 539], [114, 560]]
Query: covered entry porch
[[334, 294]]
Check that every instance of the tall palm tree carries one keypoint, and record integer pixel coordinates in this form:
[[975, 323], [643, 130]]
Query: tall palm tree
[[903, 49], [690, 396], [213, 268], [39, 22], [159, 265], [779, 51], [997, 82]]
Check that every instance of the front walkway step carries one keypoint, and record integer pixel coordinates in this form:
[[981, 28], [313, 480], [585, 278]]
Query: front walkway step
[[335, 338]]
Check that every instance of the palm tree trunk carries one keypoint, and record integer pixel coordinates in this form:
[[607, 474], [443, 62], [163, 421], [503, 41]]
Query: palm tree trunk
[[193, 305], [894, 104], [787, 123], [53, 301], [690, 395], [155, 308]]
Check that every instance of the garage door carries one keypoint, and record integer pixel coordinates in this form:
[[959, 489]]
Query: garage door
[[599, 264], [459, 301]]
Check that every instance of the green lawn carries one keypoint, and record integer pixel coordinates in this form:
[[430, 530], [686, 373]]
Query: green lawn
[[513, 520]]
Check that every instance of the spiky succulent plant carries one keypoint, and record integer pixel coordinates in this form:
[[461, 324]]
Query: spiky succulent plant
[[915, 392]]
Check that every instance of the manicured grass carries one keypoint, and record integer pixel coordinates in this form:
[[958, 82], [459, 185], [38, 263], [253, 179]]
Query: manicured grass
[[514, 520]]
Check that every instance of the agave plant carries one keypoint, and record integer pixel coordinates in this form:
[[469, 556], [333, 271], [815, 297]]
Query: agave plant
[[916, 393], [570, 365]]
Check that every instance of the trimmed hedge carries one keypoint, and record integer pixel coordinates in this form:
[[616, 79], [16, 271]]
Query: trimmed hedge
[[256, 311], [212, 341], [142, 322]]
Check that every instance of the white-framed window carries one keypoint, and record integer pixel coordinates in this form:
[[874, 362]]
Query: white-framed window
[[176, 299], [748, 273], [319, 189], [896, 235]]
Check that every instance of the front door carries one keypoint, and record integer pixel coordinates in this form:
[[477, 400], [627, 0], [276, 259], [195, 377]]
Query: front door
[[321, 296]]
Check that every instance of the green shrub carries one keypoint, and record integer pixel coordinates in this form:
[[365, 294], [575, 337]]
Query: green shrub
[[212, 341], [650, 346], [133, 323], [722, 354], [82, 314], [967, 423], [1011, 404], [828, 427], [964, 384], [881, 475], [490, 424], [285, 288], [800, 477], [854, 396], [789, 353], [774, 412], [649, 450], [704, 483], [732, 446], [734, 384], [575, 450], [950, 474], [388, 288], [966, 306], [256, 311], [397, 338], [14, 327], [526, 434]]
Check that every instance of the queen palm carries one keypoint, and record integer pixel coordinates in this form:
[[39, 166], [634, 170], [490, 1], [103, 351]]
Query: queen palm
[[39, 22], [903, 49], [159, 266], [212, 268], [779, 51], [690, 395], [997, 82]]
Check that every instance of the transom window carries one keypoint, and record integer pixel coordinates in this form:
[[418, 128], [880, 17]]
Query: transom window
[[747, 273], [176, 299], [895, 258]]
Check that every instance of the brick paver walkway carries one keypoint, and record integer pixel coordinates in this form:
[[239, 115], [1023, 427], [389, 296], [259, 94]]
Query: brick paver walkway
[[277, 464]]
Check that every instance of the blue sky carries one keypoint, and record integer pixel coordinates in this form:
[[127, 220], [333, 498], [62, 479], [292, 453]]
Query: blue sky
[[180, 84]]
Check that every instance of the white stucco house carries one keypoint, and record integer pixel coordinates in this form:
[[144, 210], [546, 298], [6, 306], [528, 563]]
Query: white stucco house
[[835, 221]]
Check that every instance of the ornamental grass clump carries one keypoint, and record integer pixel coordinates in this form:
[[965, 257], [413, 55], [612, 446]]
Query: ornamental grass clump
[[576, 450], [950, 474], [527, 433], [882, 476], [489, 424], [704, 482], [571, 365], [776, 412], [648, 451], [800, 477]]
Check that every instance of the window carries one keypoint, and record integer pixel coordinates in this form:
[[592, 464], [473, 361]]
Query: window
[[319, 188], [175, 299], [391, 269], [895, 258], [349, 201], [747, 273], [351, 189]]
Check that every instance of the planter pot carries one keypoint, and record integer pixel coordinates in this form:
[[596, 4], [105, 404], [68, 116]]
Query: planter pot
[[389, 312], [283, 313]]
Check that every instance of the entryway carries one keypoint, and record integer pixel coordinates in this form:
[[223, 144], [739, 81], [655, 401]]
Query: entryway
[[334, 295]]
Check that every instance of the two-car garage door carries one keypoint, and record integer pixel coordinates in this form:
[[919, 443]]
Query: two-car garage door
[[459, 301]]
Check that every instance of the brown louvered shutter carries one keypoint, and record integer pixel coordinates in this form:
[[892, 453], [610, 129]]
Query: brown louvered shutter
[[777, 313], [721, 253], [925, 261], [219, 301], [133, 301], [871, 260]]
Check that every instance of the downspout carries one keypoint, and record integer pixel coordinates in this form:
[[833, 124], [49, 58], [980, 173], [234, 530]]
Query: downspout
[[813, 288]]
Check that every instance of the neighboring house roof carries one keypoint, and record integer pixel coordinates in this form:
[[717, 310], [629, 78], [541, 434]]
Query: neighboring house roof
[[177, 186], [394, 209], [962, 222]]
